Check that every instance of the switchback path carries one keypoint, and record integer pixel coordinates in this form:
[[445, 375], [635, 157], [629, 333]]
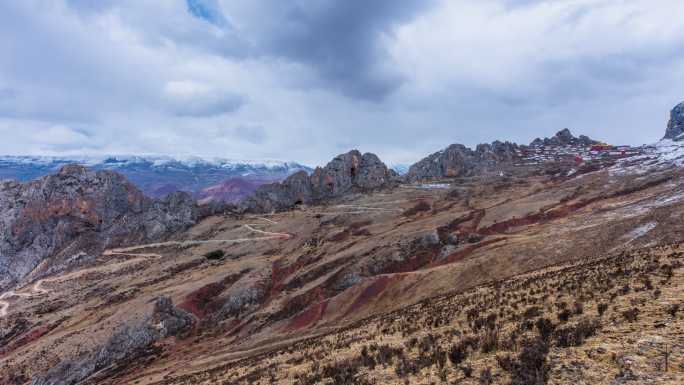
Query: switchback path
[[37, 288]]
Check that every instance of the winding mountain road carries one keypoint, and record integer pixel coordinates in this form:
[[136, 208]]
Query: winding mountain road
[[37, 288]]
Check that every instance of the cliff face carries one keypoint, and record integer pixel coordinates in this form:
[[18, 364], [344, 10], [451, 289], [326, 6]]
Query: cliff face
[[78, 210], [675, 127], [345, 173]]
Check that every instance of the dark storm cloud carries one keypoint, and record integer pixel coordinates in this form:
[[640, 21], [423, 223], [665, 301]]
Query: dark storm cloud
[[342, 41]]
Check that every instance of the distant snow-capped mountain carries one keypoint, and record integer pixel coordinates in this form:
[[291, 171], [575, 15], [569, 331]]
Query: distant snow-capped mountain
[[157, 175]]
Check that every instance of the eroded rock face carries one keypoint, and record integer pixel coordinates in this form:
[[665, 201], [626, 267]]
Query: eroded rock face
[[564, 138], [79, 210], [125, 345], [345, 173], [458, 160], [675, 127]]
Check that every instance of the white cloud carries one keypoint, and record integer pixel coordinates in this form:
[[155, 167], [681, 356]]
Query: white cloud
[[305, 80]]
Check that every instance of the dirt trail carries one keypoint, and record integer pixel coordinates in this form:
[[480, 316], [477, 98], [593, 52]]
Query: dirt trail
[[360, 209], [37, 288]]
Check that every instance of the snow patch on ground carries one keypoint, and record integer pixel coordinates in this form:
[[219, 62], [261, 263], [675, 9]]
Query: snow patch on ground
[[663, 154], [639, 231], [433, 186]]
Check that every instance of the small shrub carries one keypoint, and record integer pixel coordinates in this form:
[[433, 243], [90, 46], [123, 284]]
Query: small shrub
[[458, 353], [532, 312], [648, 284], [214, 255], [530, 367], [574, 335], [578, 308], [505, 362], [564, 315], [486, 377], [601, 308], [672, 310], [489, 341], [624, 290], [631, 314], [545, 327]]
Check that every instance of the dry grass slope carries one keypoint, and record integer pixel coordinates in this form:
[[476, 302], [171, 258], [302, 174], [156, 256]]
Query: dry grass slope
[[609, 320]]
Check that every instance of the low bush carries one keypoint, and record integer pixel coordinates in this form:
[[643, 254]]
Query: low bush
[[601, 308], [214, 255], [631, 314], [574, 335], [530, 366]]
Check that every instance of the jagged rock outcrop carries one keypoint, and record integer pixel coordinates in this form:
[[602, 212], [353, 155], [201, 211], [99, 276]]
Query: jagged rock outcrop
[[345, 173], [458, 160], [675, 127], [125, 345], [80, 210], [564, 138]]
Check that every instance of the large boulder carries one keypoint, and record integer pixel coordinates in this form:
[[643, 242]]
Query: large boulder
[[79, 210], [675, 127]]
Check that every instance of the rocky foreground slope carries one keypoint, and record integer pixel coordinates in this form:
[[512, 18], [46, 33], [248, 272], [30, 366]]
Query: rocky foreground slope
[[502, 276]]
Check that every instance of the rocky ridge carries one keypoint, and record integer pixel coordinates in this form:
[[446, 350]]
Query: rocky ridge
[[458, 160], [77, 211], [564, 138], [345, 173]]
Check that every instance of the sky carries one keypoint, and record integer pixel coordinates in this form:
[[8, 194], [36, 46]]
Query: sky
[[305, 80]]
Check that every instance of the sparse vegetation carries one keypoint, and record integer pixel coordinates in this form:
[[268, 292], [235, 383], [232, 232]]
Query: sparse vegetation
[[513, 324]]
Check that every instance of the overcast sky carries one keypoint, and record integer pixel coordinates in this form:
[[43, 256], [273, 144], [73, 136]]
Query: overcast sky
[[307, 79]]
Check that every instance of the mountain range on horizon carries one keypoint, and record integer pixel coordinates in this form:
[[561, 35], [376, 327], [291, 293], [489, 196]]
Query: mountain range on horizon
[[208, 179]]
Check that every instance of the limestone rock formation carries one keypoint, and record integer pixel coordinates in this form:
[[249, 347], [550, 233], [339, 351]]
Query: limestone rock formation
[[80, 210], [345, 173], [675, 127]]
